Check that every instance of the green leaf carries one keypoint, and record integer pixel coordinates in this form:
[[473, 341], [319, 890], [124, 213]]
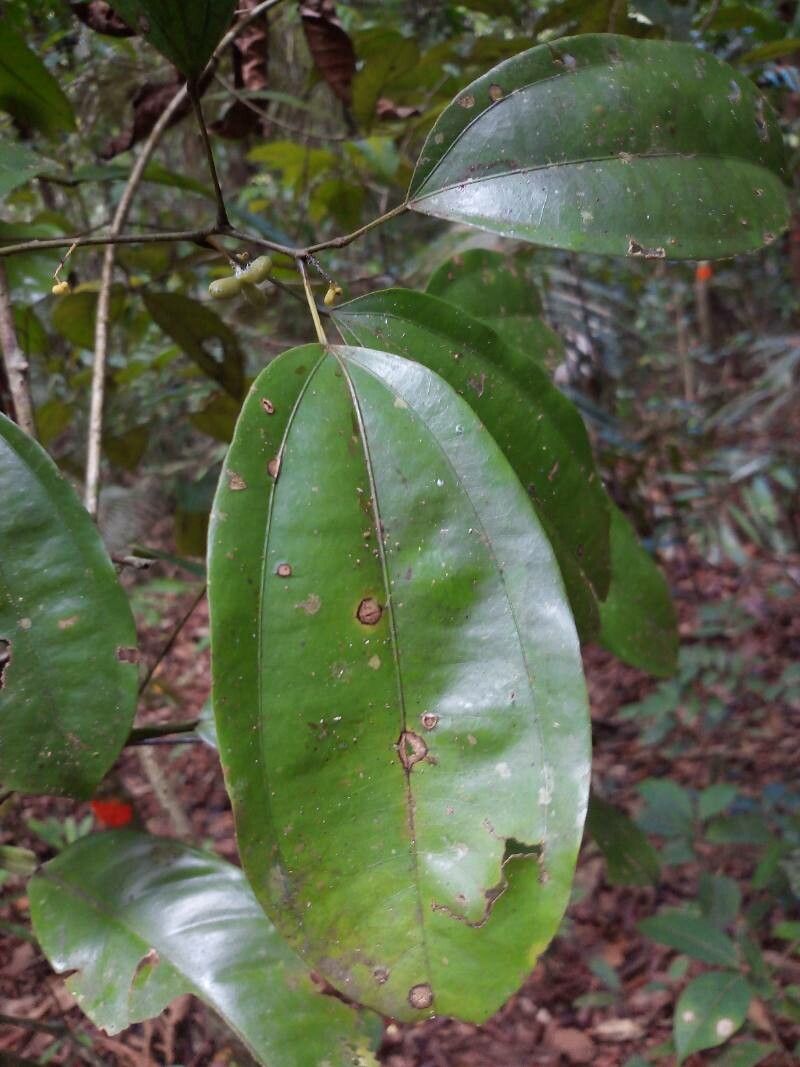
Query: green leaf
[[143, 920], [668, 808], [402, 715], [719, 897], [715, 799], [28, 91], [709, 1010], [18, 165], [385, 56], [745, 1054], [217, 418], [694, 936], [74, 314], [186, 34], [638, 620], [68, 675], [630, 858], [493, 288], [607, 144], [204, 337], [539, 429]]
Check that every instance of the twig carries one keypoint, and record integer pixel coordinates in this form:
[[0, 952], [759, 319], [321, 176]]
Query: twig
[[95, 438], [709, 16], [163, 790], [222, 214], [171, 640], [198, 236], [16, 366], [160, 729], [312, 304]]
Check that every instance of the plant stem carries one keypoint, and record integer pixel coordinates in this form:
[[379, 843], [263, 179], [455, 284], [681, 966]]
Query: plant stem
[[222, 214], [95, 437], [160, 729], [312, 304], [14, 362], [342, 242], [171, 640]]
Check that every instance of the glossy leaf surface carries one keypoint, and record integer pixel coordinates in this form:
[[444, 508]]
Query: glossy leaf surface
[[68, 684], [142, 920], [538, 429], [709, 1010], [186, 34], [493, 288], [607, 144], [397, 687], [638, 620], [28, 90]]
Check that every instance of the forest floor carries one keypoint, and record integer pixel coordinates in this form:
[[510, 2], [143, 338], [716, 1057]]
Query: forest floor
[[603, 993]]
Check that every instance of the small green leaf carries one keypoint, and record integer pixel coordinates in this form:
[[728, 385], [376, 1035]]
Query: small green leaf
[[539, 429], [18, 165], [28, 91], [385, 56], [715, 799], [695, 936], [607, 144], [186, 34], [204, 337], [668, 808], [630, 858], [719, 897], [637, 619], [745, 1054], [143, 920], [493, 288], [73, 315], [68, 670], [401, 716], [709, 1010], [746, 828]]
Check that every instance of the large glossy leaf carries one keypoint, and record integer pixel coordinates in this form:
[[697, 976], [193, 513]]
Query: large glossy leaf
[[68, 678], [28, 91], [608, 144], [186, 34], [538, 428], [396, 683], [493, 288], [638, 620], [204, 337], [142, 920], [709, 1010]]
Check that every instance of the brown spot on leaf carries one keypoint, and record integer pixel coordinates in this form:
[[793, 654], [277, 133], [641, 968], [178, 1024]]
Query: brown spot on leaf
[[267, 406], [66, 624], [429, 720], [146, 964], [236, 481], [128, 655], [284, 570], [477, 383], [381, 975], [761, 122], [369, 611], [496, 92], [636, 249], [420, 996], [311, 604], [274, 467], [411, 749], [467, 101]]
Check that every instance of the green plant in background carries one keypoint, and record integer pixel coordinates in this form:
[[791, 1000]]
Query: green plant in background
[[408, 536]]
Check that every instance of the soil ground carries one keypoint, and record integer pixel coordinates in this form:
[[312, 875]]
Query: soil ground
[[557, 1017]]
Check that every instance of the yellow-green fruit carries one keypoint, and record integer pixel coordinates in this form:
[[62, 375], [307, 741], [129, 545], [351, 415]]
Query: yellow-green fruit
[[332, 295], [257, 271], [225, 288]]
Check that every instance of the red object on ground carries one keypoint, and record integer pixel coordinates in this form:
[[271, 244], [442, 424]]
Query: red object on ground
[[704, 272], [112, 814]]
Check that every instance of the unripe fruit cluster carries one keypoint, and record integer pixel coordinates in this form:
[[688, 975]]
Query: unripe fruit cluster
[[254, 274]]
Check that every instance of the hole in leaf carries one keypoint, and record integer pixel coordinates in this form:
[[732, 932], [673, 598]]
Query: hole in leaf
[[5, 659]]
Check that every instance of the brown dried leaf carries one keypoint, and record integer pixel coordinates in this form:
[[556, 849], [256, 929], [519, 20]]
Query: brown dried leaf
[[148, 102], [388, 109], [98, 16], [330, 47], [250, 53]]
